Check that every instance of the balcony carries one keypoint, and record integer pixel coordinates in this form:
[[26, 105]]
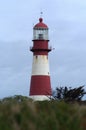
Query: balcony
[[33, 49]]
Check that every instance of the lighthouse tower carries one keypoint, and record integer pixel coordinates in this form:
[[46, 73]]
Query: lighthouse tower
[[40, 86]]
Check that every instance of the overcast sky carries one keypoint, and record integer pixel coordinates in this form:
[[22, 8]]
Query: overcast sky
[[67, 32]]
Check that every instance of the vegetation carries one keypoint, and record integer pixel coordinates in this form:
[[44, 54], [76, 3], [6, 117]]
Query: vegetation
[[21, 113], [69, 94]]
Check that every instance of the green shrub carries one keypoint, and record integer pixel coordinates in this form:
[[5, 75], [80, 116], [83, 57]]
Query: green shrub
[[21, 113]]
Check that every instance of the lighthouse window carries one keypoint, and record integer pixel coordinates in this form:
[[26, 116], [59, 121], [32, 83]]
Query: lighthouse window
[[40, 36], [36, 57], [40, 33]]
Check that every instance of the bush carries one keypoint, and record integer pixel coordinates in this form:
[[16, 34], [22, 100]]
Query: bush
[[17, 114]]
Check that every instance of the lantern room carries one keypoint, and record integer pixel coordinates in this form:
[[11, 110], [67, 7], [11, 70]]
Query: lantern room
[[40, 31]]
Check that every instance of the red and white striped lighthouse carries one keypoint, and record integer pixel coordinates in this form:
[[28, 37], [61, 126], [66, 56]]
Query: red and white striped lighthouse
[[40, 86]]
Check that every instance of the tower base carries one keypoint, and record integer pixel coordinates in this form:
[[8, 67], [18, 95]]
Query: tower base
[[40, 97]]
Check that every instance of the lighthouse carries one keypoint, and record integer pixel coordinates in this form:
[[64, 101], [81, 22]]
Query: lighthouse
[[40, 84]]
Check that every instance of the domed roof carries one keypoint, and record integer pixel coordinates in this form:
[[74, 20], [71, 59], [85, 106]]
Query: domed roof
[[40, 24]]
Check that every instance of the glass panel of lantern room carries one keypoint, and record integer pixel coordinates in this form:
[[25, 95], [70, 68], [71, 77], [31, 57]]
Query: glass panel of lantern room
[[46, 34], [35, 34], [40, 34]]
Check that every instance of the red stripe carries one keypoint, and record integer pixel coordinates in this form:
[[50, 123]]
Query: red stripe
[[42, 44], [40, 85], [40, 53], [40, 47]]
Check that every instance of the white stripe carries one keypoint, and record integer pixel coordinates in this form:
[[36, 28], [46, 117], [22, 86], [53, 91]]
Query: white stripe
[[40, 97], [40, 65]]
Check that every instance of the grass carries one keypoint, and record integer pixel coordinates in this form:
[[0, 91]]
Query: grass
[[21, 113]]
